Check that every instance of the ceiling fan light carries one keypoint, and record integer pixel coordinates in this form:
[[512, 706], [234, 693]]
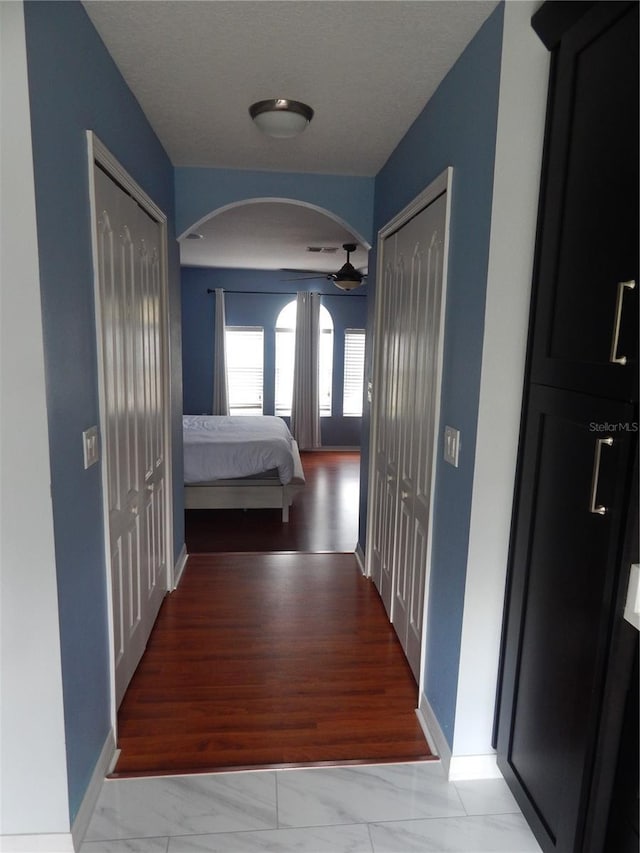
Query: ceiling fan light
[[347, 283], [280, 117]]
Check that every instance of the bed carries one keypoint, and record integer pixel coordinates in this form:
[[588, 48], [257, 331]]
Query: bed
[[240, 462]]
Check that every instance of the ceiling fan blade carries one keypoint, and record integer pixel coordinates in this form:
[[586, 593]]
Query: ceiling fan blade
[[304, 272], [307, 277]]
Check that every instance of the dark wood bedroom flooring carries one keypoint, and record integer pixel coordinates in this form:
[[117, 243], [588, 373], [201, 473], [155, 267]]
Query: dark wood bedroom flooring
[[269, 660], [324, 516]]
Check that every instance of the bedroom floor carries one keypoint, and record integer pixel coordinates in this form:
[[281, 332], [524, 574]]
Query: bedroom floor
[[324, 516]]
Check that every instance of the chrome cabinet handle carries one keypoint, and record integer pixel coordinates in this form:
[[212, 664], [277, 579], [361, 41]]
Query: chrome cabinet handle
[[598, 509], [614, 358]]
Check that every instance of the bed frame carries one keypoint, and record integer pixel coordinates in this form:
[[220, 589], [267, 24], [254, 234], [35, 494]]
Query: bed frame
[[248, 492]]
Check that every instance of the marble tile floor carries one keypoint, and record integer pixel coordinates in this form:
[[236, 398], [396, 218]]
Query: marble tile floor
[[390, 808]]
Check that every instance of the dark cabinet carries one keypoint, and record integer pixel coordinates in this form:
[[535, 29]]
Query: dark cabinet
[[571, 518], [571, 550], [586, 320]]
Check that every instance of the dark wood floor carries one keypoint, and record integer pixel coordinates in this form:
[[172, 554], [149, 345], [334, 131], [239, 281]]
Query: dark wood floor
[[269, 660], [324, 516], [263, 657]]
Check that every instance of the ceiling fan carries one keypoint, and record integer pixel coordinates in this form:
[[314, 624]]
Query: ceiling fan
[[347, 277]]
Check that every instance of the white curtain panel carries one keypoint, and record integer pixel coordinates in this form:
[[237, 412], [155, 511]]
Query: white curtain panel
[[305, 405], [220, 383]]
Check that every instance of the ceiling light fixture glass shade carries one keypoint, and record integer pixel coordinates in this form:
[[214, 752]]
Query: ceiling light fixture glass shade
[[280, 117], [348, 279]]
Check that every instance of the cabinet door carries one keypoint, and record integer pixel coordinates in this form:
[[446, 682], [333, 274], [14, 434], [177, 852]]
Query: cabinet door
[[564, 576], [585, 323]]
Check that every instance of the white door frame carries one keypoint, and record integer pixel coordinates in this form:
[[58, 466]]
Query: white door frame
[[100, 155], [443, 183]]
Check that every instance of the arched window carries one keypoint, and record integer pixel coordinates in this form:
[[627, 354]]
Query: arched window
[[285, 347]]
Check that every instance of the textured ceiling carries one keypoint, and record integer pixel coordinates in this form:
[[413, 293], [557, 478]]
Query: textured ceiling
[[367, 67]]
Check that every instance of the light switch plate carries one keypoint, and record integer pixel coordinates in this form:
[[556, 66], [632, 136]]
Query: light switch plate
[[451, 445], [90, 446]]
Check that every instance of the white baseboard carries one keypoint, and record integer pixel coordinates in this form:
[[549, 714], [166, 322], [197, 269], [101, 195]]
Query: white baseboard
[[359, 553], [466, 767], [433, 749], [179, 567], [456, 767], [433, 733], [59, 842], [88, 804]]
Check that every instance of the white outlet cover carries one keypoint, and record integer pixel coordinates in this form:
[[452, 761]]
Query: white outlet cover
[[90, 446], [451, 445]]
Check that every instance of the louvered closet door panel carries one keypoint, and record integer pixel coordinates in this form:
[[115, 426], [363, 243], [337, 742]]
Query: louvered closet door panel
[[151, 409], [383, 360], [408, 317], [387, 444], [425, 427], [116, 256], [408, 260], [130, 313], [419, 254]]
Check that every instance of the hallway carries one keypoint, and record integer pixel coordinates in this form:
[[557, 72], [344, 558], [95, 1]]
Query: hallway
[[264, 657], [269, 660]]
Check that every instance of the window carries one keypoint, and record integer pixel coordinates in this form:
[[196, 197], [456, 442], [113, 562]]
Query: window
[[353, 372], [245, 354], [325, 362], [285, 348]]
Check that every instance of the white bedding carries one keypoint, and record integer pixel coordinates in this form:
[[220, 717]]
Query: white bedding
[[222, 448]]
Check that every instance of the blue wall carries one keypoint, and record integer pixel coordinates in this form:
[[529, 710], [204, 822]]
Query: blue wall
[[75, 86], [457, 128], [200, 191], [348, 310]]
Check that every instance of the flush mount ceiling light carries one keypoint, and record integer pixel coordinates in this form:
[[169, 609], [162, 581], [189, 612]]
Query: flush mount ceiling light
[[280, 117]]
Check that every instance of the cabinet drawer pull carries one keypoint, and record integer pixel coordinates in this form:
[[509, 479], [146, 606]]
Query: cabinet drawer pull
[[614, 358], [598, 509]]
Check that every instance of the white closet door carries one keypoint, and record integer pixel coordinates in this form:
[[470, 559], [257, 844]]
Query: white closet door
[[386, 468], [131, 312], [420, 244], [404, 413]]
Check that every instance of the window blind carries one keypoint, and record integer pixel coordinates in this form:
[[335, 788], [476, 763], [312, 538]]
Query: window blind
[[354, 343], [245, 360]]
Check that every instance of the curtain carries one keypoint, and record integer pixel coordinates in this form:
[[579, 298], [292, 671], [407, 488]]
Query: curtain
[[220, 386], [305, 405]]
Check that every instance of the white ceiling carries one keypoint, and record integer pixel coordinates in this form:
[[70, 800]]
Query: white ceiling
[[271, 235], [367, 67]]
